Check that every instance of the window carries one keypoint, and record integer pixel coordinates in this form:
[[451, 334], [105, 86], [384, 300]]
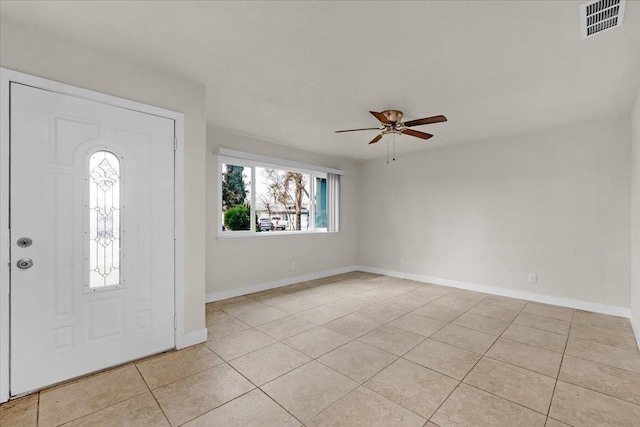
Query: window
[[265, 196], [236, 197], [321, 203], [103, 209]]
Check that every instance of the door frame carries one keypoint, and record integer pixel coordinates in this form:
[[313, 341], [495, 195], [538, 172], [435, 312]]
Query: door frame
[[6, 78]]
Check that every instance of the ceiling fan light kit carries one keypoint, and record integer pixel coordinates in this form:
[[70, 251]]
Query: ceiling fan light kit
[[391, 122]]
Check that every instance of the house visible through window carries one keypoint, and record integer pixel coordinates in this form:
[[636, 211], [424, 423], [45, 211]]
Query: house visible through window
[[265, 197]]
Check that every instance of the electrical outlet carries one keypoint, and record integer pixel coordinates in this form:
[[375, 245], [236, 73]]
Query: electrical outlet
[[533, 278], [293, 265]]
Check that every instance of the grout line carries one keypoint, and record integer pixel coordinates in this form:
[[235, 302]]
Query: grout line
[[186, 376], [507, 399], [38, 410], [607, 330], [563, 422], [257, 387], [600, 363], [534, 345], [142, 376], [153, 395], [541, 330], [376, 393], [366, 380], [516, 366], [106, 407], [600, 392], [560, 367], [219, 406], [278, 403]]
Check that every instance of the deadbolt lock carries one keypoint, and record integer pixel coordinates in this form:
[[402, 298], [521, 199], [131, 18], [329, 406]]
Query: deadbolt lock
[[24, 242], [24, 263]]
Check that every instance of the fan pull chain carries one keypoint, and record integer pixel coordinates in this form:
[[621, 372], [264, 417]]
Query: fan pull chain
[[394, 147], [387, 139]]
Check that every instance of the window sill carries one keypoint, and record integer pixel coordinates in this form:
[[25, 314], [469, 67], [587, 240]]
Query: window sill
[[227, 235]]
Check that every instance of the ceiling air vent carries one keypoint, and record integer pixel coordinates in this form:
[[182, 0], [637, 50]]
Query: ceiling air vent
[[600, 15]]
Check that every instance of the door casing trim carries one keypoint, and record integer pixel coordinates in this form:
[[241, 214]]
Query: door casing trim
[[6, 77]]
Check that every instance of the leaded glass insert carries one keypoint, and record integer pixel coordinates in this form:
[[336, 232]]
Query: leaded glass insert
[[104, 219]]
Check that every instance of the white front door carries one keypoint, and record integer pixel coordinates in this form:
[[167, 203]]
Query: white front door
[[92, 236]]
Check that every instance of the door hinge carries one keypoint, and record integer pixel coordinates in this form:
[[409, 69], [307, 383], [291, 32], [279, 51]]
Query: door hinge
[[175, 233], [175, 322], [175, 144]]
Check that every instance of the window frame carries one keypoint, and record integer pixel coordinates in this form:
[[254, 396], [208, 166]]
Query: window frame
[[253, 161]]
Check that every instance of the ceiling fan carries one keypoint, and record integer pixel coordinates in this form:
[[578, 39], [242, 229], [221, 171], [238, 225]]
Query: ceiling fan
[[391, 121]]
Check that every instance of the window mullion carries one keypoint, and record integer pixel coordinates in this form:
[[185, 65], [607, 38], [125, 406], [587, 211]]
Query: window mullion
[[310, 210], [252, 208]]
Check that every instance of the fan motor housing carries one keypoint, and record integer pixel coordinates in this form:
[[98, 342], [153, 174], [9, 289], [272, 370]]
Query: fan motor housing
[[394, 116]]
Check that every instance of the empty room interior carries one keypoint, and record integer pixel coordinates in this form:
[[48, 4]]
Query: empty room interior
[[320, 213]]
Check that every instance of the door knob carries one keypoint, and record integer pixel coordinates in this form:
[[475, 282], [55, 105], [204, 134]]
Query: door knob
[[24, 263], [24, 242]]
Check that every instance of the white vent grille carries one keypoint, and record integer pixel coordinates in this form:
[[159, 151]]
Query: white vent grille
[[600, 15]]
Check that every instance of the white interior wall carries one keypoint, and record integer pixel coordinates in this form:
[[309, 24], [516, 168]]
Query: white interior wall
[[47, 55], [552, 202], [635, 219], [233, 265]]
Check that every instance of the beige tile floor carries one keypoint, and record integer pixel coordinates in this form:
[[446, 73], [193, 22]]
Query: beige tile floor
[[366, 350]]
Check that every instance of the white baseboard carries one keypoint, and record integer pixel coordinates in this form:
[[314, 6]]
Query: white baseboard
[[512, 293], [636, 329], [217, 296], [191, 338]]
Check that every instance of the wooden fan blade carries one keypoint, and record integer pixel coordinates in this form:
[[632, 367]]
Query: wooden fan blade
[[417, 133], [355, 130], [376, 139], [381, 117], [425, 121]]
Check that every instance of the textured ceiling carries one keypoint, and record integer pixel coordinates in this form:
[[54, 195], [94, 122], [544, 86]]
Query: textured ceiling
[[293, 72]]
